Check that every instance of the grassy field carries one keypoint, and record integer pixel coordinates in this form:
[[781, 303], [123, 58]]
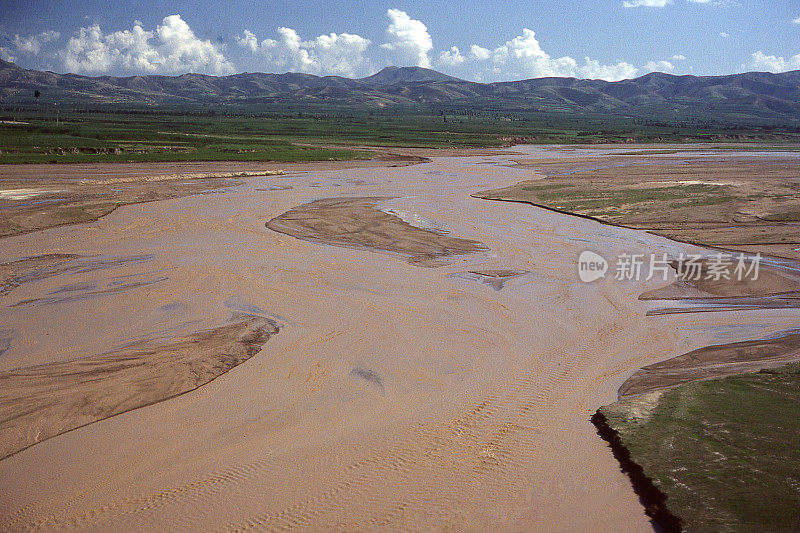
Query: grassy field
[[173, 135], [567, 197], [108, 137], [289, 131], [725, 452]]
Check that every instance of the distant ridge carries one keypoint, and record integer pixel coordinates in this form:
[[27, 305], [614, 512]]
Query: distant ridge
[[749, 96], [395, 75]]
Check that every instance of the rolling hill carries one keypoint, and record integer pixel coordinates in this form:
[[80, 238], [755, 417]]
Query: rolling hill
[[753, 96]]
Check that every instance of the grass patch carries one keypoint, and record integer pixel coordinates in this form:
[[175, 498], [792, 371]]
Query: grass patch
[[582, 200], [164, 134], [109, 141], [539, 188], [787, 216], [725, 452]]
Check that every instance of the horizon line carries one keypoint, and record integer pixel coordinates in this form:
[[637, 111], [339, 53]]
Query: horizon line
[[410, 67]]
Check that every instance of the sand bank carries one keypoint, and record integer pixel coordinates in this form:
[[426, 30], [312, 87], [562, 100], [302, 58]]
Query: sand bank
[[40, 402], [714, 362], [358, 223]]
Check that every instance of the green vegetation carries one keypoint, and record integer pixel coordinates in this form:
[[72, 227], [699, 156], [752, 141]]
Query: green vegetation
[[290, 130], [725, 452], [89, 137], [537, 188], [787, 216], [653, 152], [628, 199]]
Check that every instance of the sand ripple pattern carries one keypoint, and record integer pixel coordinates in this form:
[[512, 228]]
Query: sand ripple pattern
[[474, 469]]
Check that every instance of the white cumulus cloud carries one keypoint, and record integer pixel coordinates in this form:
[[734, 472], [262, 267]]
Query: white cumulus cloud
[[173, 48], [762, 61], [594, 70], [679, 57], [664, 3], [659, 66], [409, 39], [479, 52], [646, 3], [451, 57], [796, 20], [340, 54], [248, 40], [32, 44], [523, 57], [7, 54], [26, 44]]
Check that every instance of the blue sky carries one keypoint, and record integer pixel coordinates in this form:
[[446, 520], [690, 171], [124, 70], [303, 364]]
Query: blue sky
[[472, 39]]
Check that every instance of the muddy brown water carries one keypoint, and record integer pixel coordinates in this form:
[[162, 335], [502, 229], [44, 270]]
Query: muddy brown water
[[395, 396]]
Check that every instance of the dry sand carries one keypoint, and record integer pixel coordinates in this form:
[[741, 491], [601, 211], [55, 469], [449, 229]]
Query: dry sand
[[394, 397]]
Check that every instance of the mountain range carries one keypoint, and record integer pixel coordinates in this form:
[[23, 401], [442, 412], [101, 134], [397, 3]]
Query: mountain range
[[749, 96]]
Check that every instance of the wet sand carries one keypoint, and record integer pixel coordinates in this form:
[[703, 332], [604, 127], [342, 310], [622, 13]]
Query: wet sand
[[40, 402], [394, 397], [761, 182], [714, 362], [358, 223], [776, 286], [67, 172], [496, 279], [51, 204], [774, 277], [39, 196]]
